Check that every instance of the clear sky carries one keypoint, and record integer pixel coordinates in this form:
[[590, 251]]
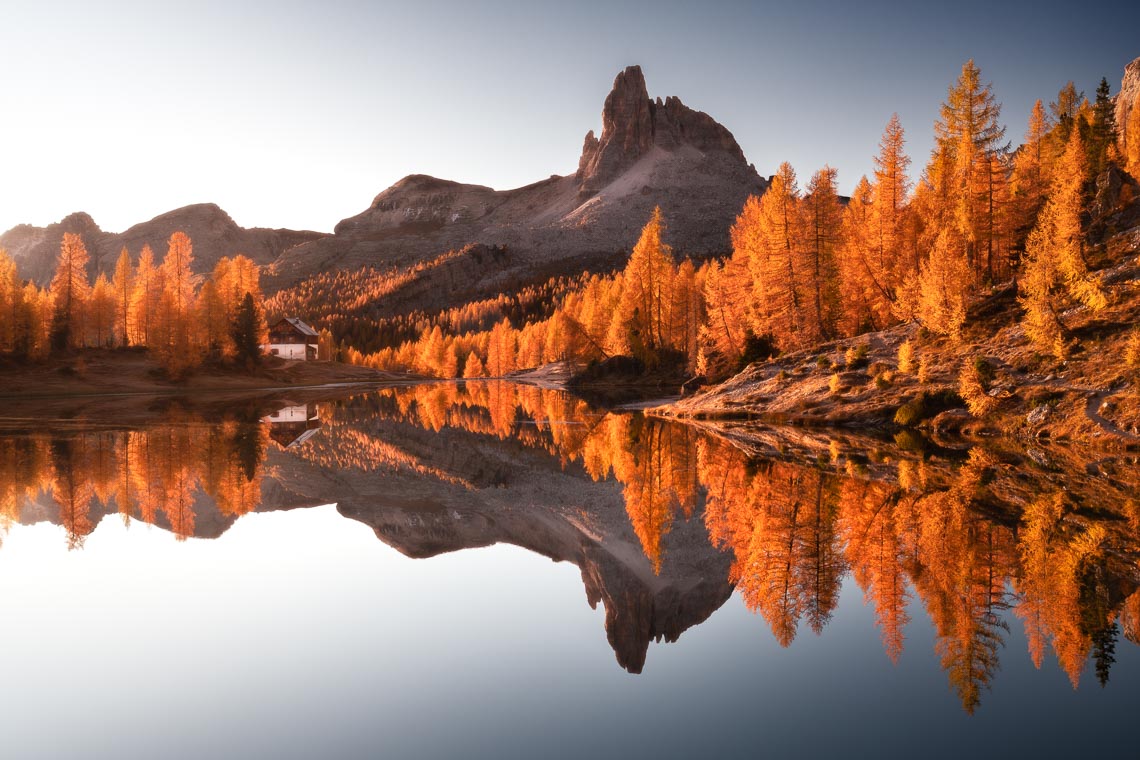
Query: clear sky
[[297, 114]]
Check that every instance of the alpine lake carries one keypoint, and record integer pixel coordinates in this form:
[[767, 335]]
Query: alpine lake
[[496, 570]]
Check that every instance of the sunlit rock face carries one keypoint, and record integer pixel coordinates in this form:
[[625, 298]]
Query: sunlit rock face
[[632, 125], [1128, 97]]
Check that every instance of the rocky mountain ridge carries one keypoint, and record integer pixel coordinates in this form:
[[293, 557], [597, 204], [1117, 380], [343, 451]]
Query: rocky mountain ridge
[[213, 231], [649, 153]]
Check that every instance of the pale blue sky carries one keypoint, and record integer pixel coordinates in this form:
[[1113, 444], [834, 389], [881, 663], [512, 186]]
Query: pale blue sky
[[297, 114]]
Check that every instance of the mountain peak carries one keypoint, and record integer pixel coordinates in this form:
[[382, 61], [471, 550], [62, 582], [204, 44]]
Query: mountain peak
[[632, 125]]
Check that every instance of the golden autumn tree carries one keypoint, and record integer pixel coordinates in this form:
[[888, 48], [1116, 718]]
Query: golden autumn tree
[[210, 313], [70, 290], [11, 304], [727, 293], [823, 219], [1032, 172], [687, 311], [501, 350], [101, 313], [641, 460], [968, 133], [863, 288], [893, 258], [176, 328], [780, 270], [232, 280], [473, 366], [944, 287], [1054, 271], [641, 326], [123, 288], [145, 297]]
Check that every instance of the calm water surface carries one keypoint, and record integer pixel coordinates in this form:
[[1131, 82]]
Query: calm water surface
[[372, 577]]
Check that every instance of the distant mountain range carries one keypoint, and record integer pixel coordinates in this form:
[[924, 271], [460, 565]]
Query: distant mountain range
[[649, 153]]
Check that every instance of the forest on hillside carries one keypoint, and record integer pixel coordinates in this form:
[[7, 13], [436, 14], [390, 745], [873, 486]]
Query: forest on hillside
[[182, 318], [806, 265]]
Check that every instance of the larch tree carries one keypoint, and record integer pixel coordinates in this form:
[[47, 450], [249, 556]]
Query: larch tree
[[177, 326], [145, 297], [210, 313], [123, 288], [501, 350], [101, 314], [727, 294], [778, 264], [11, 301], [863, 288], [646, 301], [1055, 271], [1065, 110], [70, 290], [473, 367], [944, 287], [687, 311], [967, 134], [823, 216], [891, 191], [1032, 170]]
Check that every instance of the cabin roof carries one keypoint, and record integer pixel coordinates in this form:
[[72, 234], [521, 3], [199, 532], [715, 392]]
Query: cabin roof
[[298, 325]]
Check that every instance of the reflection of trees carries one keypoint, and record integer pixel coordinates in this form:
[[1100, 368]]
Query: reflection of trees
[[779, 521], [947, 535], [871, 528], [71, 489], [157, 475], [1058, 567], [936, 534]]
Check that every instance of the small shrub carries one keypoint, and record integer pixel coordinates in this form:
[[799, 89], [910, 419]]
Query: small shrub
[[883, 380], [782, 375], [835, 384], [911, 413], [984, 369], [877, 368], [924, 369], [925, 405], [1132, 349], [856, 354], [823, 363], [757, 349], [906, 358], [972, 385]]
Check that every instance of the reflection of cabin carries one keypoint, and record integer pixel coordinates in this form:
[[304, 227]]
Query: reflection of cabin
[[290, 338], [293, 425]]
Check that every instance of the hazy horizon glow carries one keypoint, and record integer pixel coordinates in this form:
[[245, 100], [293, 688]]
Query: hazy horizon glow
[[297, 115]]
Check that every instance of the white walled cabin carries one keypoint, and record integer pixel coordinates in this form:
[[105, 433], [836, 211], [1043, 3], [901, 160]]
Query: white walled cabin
[[290, 338]]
